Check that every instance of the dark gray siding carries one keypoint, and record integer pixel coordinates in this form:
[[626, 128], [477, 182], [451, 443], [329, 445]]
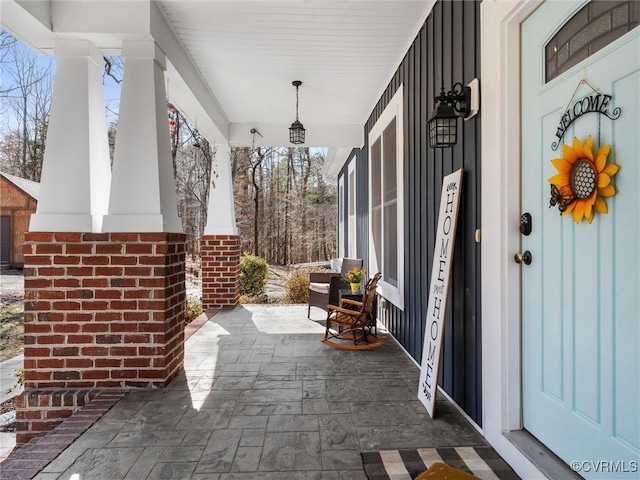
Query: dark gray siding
[[446, 49]]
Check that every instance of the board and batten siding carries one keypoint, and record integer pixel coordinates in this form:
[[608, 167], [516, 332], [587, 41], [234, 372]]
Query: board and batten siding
[[446, 51]]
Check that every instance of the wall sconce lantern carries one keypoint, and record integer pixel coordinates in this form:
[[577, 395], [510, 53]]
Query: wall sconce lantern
[[296, 130], [457, 102]]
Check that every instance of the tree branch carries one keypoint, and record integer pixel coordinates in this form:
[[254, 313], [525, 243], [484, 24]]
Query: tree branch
[[108, 67]]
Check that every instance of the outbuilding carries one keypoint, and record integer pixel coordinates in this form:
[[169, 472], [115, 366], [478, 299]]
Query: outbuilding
[[18, 200]]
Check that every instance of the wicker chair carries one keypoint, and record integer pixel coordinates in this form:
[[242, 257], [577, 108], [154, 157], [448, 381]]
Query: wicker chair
[[324, 288]]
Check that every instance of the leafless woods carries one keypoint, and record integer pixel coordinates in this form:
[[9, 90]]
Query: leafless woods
[[285, 211]]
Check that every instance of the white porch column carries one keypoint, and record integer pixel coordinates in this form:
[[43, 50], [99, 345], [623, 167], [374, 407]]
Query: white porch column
[[221, 212], [76, 171], [220, 246], [143, 195]]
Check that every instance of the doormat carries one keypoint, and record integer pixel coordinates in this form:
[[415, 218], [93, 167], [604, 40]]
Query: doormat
[[483, 462]]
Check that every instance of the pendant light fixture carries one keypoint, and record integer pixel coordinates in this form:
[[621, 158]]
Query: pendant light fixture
[[296, 131]]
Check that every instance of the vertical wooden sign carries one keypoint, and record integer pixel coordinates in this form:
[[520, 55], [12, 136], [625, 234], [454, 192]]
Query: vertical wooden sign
[[439, 289]]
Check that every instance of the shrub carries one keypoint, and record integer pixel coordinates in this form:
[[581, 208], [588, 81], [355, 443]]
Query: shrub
[[192, 308], [254, 273], [297, 284]]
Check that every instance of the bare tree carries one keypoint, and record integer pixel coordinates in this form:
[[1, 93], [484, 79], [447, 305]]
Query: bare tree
[[285, 211], [256, 169], [113, 67], [7, 45], [194, 167], [28, 100]]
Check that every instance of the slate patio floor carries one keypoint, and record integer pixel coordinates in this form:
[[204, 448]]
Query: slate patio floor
[[262, 398]]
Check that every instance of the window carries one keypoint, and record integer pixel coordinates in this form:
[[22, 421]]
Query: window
[[341, 217], [592, 28], [386, 201], [352, 209]]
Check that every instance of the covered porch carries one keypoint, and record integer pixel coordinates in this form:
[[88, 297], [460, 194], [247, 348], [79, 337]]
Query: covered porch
[[104, 254], [261, 397]]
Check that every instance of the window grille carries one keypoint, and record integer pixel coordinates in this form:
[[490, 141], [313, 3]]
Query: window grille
[[592, 28]]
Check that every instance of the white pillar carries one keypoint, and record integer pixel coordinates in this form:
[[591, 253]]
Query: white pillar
[[221, 212], [143, 194], [76, 171]]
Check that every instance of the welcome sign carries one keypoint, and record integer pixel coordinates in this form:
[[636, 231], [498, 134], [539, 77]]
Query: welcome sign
[[439, 289], [596, 103]]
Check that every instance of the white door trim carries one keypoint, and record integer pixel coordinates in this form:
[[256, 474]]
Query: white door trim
[[501, 356]]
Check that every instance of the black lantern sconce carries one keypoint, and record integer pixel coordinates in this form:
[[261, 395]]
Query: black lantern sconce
[[296, 130], [460, 101]]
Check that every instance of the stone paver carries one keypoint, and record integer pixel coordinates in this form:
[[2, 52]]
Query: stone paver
[[262, 398]]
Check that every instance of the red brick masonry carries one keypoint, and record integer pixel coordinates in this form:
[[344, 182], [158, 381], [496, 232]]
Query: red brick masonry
[[220, 271], [39, 410], [25, 462], [102, 311]]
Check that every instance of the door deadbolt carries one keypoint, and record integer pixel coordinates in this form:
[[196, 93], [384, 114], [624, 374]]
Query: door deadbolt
[[525, 257], [525, 224]]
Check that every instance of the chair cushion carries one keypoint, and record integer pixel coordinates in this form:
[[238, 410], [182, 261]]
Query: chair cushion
[[319, 287]]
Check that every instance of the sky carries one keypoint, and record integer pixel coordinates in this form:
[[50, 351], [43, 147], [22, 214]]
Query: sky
[[9, 72]]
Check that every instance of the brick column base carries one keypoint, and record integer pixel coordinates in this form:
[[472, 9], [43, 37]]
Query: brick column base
[[39, 410], [101, 311], [37, 454], [220, 271]]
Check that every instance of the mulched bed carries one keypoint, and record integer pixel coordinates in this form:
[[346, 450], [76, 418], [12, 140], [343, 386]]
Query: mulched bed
[[5, 407]]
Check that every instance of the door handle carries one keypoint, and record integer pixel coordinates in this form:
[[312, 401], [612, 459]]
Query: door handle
[[524, 257]]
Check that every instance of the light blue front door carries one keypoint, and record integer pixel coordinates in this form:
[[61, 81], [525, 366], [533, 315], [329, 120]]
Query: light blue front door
[[581, 292]]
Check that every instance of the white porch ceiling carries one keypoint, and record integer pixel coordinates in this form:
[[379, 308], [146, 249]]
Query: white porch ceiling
[[231, 63], [249, 52]]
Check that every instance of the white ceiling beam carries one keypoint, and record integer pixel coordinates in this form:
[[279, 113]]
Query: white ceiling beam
[[100, 17], [28, 22], [186, 87], [106, 24]]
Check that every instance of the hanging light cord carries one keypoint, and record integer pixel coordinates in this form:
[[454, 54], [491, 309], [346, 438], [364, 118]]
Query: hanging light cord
[[296, 103]]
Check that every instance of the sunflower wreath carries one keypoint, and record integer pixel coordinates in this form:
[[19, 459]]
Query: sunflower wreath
[[583, 180]]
